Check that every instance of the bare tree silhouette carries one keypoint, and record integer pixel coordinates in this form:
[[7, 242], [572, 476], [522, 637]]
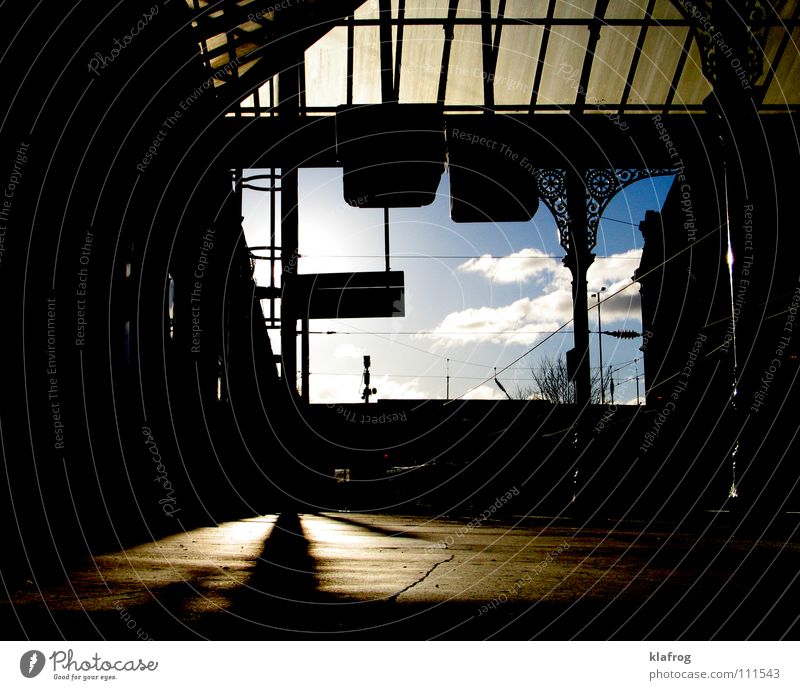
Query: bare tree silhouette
[[551, 382]]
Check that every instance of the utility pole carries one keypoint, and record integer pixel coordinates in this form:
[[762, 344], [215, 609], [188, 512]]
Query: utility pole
[[611, 387], [600, 344], [386, 237]]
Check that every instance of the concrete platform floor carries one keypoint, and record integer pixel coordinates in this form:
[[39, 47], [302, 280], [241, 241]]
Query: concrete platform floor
[[359, 576]]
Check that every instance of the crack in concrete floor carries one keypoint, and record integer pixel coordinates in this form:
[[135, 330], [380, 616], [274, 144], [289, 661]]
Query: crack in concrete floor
[[394, 597]]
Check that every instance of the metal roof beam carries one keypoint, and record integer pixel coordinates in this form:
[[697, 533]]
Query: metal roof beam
[[559, 140], [637, 54], [588, 58], [537, 80], [448, 40], [787, 37]]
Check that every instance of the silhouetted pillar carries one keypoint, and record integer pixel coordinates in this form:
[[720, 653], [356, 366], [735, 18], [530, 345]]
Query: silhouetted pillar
[[288, 108], [305, 357], [289, 244], [748, 192], [578, 260]]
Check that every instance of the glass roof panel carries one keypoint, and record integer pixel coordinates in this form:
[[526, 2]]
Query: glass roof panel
[[224, 58], [465, 72], [268, 93], [248, 106], [516, 64], [265, 95], [785, 86], [788, 9], [326, 70], [394, 48], [366, 65], [469, 9], [612, 61], [626, 9], [774, 37], [526, 8], [517, 58], [495, 11], [660, 54], [421, 64], [575, 9], [563, 65], [692, 87], [369, 10], [244, 68], [665, 9], [213, 42], [426, 8]]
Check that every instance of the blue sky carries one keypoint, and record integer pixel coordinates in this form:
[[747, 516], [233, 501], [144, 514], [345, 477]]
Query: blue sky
[[480, 313]]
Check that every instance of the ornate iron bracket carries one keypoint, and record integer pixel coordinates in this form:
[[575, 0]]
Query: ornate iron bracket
[[714, 48], [601, 186]]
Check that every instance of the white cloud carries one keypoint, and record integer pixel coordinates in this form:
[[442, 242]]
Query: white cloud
[[615, 273], [517, 267], [530, 263], [616, 268], [390, 388], [484, 392], [329, 388], [622, 307], [517, 322], [348, 351], [528, 320]]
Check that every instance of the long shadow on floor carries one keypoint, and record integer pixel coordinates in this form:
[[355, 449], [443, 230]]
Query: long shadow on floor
[[285, 570], [370, 528], [282, 599]]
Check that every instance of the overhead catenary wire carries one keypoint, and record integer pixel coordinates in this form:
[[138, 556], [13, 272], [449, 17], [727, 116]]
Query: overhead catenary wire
[[596, 305], [439, 376], [380, 335], [462, 333], [498, 257], [512, 363], [416, 376], [550, 334], [469, 256]]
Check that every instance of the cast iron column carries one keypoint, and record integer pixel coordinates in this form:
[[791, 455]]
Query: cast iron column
[[289, 86], [578, 260]]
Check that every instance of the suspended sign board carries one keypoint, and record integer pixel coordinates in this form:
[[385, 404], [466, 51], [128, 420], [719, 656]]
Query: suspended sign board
[[492, 168], [392, 154], [363, 295]]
